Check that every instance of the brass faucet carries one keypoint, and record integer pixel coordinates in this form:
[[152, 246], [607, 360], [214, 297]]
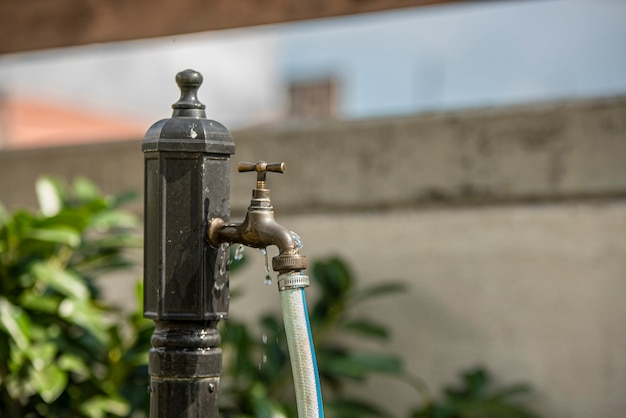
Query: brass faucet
[[259, 229]]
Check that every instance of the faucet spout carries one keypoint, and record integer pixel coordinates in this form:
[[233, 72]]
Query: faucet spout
[[255, 231], [259, 229]]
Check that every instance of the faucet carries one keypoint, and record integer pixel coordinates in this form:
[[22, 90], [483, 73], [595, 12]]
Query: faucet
[[259, 229]]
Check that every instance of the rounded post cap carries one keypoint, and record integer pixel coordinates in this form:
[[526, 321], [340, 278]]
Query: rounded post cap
[[189, 82]]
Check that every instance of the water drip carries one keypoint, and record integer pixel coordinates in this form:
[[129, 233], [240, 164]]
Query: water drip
[[264, 358], [223, 261], [238, 253], [268, 277], [296, 239]]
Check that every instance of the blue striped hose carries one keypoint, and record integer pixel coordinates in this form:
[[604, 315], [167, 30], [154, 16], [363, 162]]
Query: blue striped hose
[[300, 343]]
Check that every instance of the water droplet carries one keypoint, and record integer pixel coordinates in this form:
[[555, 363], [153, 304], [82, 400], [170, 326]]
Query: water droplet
[[222, 269], [264, 338], [296, 239], [239, 252], [223, 262], [264, 358], [268, 278]]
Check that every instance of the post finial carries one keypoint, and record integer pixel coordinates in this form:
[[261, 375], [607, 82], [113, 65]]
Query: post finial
[[188, 105]]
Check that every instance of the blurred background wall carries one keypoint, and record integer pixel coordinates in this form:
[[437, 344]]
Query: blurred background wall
[[475, 151], [507, 224]]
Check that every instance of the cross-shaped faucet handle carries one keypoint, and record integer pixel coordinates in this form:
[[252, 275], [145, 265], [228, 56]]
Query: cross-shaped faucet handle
[[261, 168]]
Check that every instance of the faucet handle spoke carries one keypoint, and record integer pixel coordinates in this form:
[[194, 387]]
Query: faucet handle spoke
[[261, 168]]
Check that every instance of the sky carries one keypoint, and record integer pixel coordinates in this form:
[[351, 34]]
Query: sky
[[465, 55], [443, 57]]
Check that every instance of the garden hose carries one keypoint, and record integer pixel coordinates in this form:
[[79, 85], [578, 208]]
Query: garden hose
[[300, 343]]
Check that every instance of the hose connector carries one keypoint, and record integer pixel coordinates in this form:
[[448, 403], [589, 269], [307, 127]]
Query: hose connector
[[292, 280]]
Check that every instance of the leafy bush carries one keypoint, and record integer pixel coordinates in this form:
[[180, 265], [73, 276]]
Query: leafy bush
[[62, 351], [66, 353], [476, 397]]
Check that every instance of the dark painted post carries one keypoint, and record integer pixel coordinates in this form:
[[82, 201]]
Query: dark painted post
[[185, 279]]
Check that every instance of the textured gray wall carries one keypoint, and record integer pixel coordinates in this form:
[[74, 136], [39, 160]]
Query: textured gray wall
[[540, 152], [508, 225]]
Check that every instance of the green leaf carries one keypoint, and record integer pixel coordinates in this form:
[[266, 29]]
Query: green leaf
[[60, 235], [113, 219], [381, 363], [101, 406], [126, 197], [50, 195], [494, 409], [85, 190], [41, 354], [19, 388], [46, 304], [333, 276], [510, 392], [63, 281], [17, 358], [353, 408], [378, 290], [475, 382], [83, 313], [71, 363], [15, 322], [357, 366], [74, 218], [49, 382], [366, 328], [116, 241], [265, 407]]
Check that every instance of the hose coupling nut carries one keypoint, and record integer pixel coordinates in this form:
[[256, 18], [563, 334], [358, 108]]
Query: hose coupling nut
[[288, 262]]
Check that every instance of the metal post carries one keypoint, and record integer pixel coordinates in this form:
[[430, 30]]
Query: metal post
[[185, 279]]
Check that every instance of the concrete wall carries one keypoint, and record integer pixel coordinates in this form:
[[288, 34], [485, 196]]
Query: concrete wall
[[507, 224]]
